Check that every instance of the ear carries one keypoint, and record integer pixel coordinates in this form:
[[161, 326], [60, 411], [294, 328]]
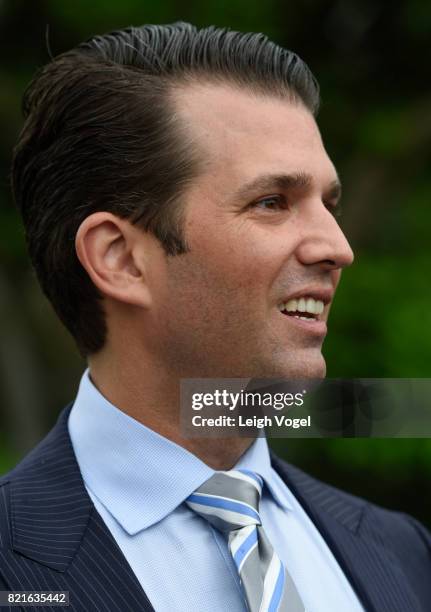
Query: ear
[[111, 251]]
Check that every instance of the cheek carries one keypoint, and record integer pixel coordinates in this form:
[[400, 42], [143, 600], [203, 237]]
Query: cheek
[[242, 260], [232, 264], [214, 291], [242, 276]]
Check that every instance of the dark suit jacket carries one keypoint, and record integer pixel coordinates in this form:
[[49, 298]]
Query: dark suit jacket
[[52, 538]]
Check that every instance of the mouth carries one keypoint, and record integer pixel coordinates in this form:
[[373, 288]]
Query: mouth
[[306, 311], [305, 308]]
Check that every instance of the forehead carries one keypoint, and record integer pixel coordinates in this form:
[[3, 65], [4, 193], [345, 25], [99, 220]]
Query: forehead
[[241, 134]]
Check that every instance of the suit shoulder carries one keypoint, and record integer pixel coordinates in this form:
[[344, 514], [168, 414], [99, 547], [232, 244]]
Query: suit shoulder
[[4, 528], [403, 530], [55, 442], [403, 536], [315, 490], [5, 478], [4, 518]]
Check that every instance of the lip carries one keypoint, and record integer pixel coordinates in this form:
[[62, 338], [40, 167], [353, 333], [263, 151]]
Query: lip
[[315, 327], [325, 294]]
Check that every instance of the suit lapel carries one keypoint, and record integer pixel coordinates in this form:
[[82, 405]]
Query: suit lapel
[[373, 572], [55, 524]]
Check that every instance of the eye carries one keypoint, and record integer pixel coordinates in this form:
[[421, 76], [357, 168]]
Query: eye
[[273, 202]]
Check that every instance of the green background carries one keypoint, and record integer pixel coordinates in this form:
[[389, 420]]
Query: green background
[[369, 58]]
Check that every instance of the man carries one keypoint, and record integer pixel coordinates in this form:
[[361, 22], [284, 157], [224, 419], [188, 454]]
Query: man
[[176, 195]]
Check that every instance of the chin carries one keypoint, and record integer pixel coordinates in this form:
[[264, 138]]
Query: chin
[[305, 366], [296, 364]]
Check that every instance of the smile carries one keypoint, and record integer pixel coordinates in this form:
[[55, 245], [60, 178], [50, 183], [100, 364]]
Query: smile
[[305, 308]]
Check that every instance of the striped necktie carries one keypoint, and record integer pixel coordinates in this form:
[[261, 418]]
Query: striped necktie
[[230, 502]]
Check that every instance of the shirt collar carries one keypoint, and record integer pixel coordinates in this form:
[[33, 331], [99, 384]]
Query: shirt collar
[[257, 459], [137, 474]]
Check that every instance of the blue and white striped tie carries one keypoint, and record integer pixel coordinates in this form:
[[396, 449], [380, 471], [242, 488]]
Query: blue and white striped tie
[[230, 502]]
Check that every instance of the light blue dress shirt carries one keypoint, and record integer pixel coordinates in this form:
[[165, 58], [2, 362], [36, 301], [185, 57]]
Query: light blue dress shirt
[[138, 481]]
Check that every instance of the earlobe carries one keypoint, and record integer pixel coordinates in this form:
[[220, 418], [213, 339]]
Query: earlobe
[[105, 247]]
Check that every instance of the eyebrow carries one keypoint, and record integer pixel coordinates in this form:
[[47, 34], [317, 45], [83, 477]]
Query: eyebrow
[[296, 180]]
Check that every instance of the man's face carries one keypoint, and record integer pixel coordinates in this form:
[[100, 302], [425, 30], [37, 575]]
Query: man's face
[[261, 234]]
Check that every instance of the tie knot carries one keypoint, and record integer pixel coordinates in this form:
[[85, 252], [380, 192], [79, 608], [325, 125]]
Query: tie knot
[[229, 500]]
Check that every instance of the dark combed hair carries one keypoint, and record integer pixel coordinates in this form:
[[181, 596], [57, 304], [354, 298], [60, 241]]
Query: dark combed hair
[[101, 133]]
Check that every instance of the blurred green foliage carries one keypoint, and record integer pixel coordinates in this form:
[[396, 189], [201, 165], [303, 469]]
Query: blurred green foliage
[[375, 120], [8, 458]]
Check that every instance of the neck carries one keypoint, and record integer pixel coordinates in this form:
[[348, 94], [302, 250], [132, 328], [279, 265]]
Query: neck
[[153, 400]]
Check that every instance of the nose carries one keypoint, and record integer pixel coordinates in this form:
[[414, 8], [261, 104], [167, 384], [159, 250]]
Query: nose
[[323, 242]]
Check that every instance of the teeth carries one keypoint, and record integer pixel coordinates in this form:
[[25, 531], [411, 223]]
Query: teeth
[[304, 304], [311, 306], [291, 306]]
